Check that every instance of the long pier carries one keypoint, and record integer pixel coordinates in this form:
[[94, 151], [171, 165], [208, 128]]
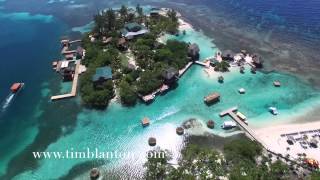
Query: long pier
[[231, 113], [182, 71], [73, 92]]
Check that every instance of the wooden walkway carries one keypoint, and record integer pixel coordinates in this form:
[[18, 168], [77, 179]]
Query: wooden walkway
[[202, 63], [231, 113], [182, 71], [73, 92]]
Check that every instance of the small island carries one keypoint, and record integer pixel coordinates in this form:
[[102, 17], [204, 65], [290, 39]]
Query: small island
[[124, 57]]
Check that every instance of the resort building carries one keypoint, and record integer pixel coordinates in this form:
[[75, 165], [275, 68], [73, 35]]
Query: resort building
[[102, 74], [132, 30], [170, 75], [155, 12], [106, 40], [193, 51]]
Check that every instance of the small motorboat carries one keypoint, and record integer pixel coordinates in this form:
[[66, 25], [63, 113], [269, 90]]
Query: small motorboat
[[16, 87], [273, 110], [242, 117], [228, 125]]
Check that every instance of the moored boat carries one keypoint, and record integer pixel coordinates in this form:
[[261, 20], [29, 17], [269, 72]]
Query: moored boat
[[242, 117], [228, 125], [273, 110], [212, 98], [16, 87]]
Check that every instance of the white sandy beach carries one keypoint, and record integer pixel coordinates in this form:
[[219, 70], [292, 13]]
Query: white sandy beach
[[272, 137]]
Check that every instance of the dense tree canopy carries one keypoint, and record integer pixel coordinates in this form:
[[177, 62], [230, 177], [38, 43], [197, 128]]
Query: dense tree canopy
[[237, 162], [151, 57]]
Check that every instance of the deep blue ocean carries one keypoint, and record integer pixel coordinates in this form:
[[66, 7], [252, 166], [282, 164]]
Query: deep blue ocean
[[30, 34]]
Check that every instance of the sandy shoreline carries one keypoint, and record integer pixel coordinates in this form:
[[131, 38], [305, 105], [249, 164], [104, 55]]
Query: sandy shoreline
[[276, 140]]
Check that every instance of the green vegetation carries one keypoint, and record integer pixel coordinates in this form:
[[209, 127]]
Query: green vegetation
[[240, 159], [151, 57], [222, 66]]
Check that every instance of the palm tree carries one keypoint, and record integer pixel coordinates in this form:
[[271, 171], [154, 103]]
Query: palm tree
[[123, 12], [222, 66]]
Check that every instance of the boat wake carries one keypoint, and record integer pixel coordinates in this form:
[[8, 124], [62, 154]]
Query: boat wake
[[5, 104], [167, 113]]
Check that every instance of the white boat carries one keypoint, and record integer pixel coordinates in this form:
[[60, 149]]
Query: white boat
[[242, 117], [273, 110], [242, 91], [228, 125]]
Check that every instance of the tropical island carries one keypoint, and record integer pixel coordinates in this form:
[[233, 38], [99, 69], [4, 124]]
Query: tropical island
[[127, 59], [124, 57]]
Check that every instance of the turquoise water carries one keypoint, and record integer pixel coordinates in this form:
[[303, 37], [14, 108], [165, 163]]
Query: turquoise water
[[118, 128]]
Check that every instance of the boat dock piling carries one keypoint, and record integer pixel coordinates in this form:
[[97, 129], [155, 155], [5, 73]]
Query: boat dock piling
[[244, 126], [73, 92]]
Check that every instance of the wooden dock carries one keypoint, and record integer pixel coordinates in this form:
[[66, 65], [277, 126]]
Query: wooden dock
[[182, 71], [245, 127], [202, 63], [73, 92]]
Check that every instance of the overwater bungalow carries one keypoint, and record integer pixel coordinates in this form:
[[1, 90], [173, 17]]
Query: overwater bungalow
[[170, 75], [132, 30], [102, 74], [194, 51], [212, 98], [227, 55]]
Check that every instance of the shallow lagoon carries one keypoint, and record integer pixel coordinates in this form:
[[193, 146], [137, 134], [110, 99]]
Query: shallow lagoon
[[118, 128]]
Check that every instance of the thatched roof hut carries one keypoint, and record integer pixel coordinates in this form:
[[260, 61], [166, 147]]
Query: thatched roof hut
[[94, 174], [220, 79], [152, 141], [145, 122], [179, 130], [210, 124]]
